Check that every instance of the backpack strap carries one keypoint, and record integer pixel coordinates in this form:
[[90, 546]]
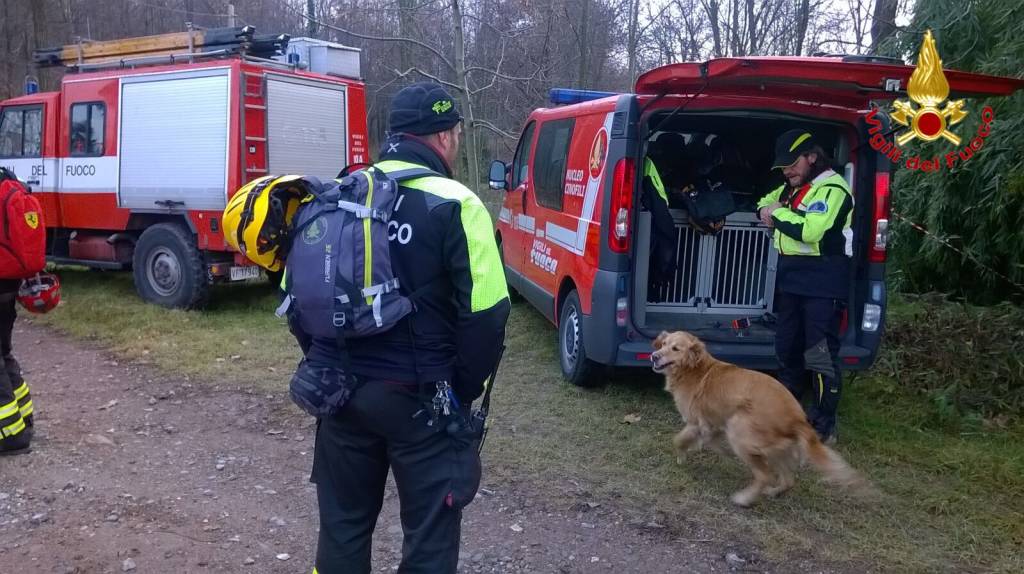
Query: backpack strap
[[348, 168], [412, 173]]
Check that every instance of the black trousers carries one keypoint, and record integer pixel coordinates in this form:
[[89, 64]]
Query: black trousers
[[437, 474], [807, 346], [15, 400]]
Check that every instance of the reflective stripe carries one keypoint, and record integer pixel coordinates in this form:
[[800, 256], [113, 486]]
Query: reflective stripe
[[368, 242], [27, 409], [9, 409], [486, 271], [651, 171], [13, 429], [799, 140], [20, 392]]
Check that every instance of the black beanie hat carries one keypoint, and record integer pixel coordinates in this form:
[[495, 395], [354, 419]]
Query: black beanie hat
[[423, 108]]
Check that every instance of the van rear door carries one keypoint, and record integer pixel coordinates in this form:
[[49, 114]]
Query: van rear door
[[847, 82]]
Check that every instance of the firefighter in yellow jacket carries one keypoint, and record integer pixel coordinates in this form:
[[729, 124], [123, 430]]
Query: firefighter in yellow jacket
[[811, 215]]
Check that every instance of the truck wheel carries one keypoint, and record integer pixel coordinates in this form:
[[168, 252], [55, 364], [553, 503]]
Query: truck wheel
[[576, 367], [169, 269]]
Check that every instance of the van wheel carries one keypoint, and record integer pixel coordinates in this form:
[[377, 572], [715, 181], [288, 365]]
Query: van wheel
[[168, 268], [513, 295], [576, 367]]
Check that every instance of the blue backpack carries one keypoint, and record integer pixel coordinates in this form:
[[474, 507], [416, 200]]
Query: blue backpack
[[338, 277]]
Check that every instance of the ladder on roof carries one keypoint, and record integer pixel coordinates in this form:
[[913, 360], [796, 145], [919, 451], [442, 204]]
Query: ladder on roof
[[173, 47]]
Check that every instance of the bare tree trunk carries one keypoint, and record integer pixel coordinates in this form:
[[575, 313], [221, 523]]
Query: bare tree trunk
[[584, 44], [734, 31], [634, 27], [803, 16], [469, 126], [751, 28], [310, 16], [405, 8], [883, 25], [711, 6]]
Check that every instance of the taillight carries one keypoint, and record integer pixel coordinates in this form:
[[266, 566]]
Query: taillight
[[880, 230], [623, 184]]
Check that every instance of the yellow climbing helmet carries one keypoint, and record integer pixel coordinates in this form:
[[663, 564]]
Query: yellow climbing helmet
[[258, 217]]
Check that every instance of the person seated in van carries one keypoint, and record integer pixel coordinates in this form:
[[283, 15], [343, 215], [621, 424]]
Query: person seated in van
[[811, 214], [730, 166], [666, 151], [654, 198]]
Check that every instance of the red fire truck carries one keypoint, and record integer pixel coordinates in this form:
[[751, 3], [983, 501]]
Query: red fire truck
[[136, 155]]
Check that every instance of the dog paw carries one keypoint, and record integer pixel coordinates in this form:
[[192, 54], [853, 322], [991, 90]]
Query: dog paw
[[679, 460], [744, 498]]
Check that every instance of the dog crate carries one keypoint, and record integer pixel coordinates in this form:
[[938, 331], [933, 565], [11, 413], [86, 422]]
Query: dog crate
[[731, 272]]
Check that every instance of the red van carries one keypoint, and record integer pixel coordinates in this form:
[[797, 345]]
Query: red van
[[576, 238]]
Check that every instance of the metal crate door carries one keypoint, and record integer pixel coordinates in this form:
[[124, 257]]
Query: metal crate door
[[741, 267]]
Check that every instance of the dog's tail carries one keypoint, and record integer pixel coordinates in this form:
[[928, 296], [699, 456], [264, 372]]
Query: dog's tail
[[829, 463]]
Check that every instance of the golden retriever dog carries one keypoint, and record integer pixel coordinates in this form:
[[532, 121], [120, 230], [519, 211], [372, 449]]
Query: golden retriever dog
[[756, 415]]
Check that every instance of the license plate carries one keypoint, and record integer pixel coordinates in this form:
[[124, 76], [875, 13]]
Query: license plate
[[243, 273]]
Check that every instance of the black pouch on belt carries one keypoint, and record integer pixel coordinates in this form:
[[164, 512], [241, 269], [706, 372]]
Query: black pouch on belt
[[466, 466], [321, 390]]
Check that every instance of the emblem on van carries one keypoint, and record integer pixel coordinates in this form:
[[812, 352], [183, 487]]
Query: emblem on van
[[598, 152], [929, 88]]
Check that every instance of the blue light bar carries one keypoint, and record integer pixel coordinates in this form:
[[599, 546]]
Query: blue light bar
[[570, 96]]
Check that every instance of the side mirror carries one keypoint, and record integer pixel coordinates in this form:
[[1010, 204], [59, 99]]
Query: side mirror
[[496, 178]]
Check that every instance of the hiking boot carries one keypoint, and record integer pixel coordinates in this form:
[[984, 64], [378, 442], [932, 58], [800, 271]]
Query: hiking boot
[[17, 444], [830, 439], [30, 429]]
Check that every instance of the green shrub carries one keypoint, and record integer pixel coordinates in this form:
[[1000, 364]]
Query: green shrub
[[969, 361]]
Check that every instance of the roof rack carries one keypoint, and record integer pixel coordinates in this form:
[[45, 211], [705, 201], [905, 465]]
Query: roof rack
[[861, 58], [188, 46]]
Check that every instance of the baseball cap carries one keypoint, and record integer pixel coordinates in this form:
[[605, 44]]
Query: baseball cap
[[790, 145]]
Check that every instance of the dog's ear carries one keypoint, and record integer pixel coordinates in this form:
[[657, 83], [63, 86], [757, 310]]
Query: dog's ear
[[694, 352], [660, 340]]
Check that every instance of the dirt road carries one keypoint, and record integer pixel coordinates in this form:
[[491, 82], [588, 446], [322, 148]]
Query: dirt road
[[133, 471]]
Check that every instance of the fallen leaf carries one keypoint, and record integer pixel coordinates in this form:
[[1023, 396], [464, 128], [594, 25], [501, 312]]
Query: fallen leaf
[[107, 406], [631, 418]]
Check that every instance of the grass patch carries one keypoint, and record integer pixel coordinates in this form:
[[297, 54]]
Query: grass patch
[[953, 495]]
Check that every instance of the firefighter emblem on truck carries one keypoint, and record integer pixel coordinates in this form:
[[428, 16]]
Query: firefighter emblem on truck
[[597, 153]]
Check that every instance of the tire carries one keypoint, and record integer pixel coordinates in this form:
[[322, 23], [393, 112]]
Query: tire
[[572, 356], [513, 295], [168, 268]]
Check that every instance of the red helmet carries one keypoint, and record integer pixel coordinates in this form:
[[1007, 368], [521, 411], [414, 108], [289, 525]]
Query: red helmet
[[39, 294]]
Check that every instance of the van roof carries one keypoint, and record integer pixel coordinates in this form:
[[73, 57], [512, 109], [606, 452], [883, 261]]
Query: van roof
[[829, 79]]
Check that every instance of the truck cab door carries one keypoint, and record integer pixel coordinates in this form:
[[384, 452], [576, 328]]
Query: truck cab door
[[23, 143], [521, 224]]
